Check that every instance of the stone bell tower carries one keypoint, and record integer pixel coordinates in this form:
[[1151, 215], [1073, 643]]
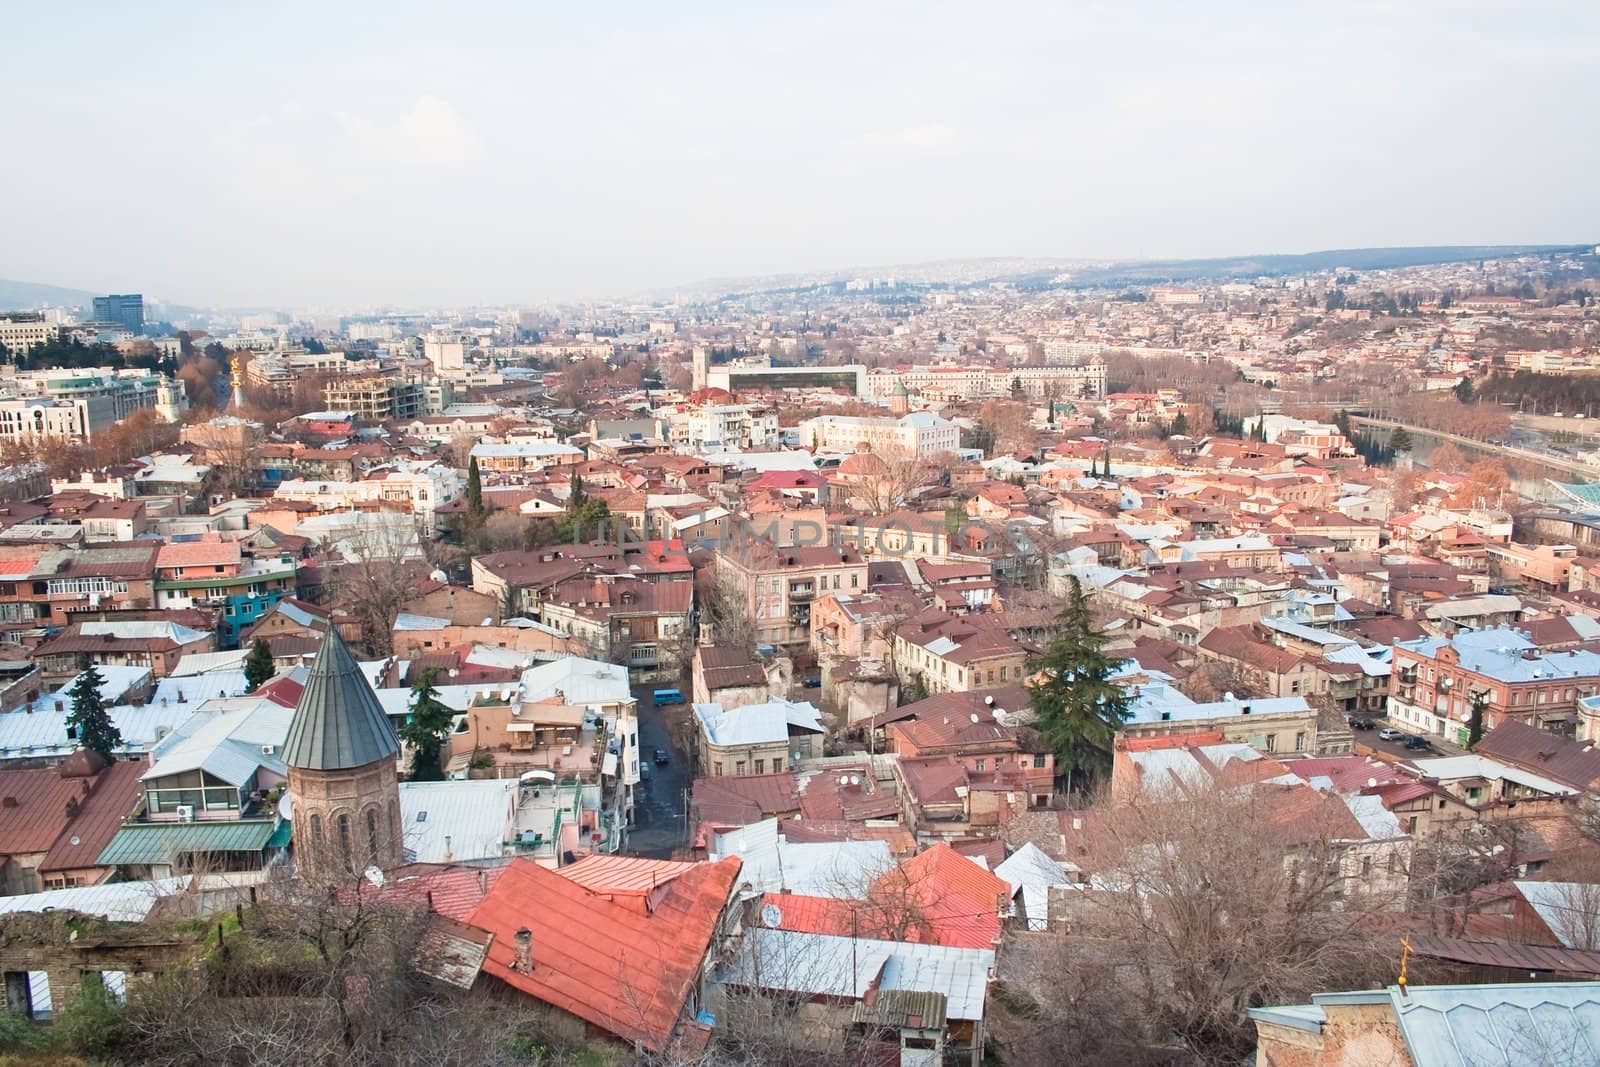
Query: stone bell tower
[[343, 781]]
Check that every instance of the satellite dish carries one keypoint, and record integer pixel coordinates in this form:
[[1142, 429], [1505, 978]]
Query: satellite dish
[[375, 876], [771, 916], [975, 717], [1371, 782]]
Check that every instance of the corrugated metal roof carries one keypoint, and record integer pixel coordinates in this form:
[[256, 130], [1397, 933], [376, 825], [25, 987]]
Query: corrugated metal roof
[[907, 1008], [338, 723], [1540, 1024], [1507, 955], [160, 843], [848, 967], [128, 902]]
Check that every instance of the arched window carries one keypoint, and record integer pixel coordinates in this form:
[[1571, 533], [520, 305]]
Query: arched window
[[344, 841], [372, 836], [315, 845]]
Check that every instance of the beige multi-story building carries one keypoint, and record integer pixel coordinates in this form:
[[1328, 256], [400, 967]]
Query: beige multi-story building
[[21, 332], [776, 585], [1070, 382], [377, 398], [921, 434]]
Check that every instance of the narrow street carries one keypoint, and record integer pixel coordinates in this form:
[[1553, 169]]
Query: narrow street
[[660, 823]]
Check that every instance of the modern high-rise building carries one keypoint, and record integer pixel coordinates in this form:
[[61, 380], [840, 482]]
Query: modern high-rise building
[[126, 310]]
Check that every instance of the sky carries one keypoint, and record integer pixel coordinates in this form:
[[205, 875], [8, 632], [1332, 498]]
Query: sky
[[339, 155]]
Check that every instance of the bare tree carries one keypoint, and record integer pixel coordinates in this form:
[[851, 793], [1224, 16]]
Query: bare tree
[[382, 562], [1199, 909]]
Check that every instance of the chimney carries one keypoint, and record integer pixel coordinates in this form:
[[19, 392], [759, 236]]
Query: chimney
[[522, 962]]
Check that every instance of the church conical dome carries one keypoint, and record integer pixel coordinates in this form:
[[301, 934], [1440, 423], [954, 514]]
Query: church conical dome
[[338, 723]]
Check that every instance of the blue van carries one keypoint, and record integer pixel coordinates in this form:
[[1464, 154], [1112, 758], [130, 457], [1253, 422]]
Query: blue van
[[667, 696]]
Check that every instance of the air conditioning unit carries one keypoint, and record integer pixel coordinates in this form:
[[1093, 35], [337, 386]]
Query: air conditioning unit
[[185, 813]]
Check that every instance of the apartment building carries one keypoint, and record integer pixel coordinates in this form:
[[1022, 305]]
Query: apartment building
[[1436, 680], [957, 653], [921, 434], [778, 584], [377, 398]]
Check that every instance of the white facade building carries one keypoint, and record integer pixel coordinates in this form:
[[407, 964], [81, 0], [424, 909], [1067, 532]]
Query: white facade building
[[920, 434]]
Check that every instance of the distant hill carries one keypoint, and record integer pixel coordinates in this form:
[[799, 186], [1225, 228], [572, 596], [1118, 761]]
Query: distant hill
[[1112, 273], [20, 296], [1155, 272]]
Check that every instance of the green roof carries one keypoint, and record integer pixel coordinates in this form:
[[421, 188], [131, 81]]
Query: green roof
[[161, 842]]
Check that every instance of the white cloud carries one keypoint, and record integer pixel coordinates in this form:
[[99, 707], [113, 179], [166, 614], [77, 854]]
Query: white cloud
[[431, 134]]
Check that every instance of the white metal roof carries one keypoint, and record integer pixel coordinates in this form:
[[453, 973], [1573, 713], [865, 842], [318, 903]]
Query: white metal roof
[[847, 967], [128, 902], [457, 822]]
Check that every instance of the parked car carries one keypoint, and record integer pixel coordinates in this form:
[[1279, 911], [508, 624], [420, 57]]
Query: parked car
[[1389, 733], [813, 683], [1358, 723], [1418, 743], [663, 757]]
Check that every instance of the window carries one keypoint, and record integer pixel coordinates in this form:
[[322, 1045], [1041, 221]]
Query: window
[[977, 765], [855, 581], [1300, 741], [1272, 742], [716, 769], [738, 768], [372, 836], [1411, 824], [1039, 761], [1294, 686], [1366, 866], [761, 766], [345, 850]]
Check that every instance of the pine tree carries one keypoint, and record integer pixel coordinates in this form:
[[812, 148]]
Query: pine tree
[[1016, 388], [1077, 705], [1180, 425], [426, 728], [88, 721], [474, 489], [258, 666], [575, 496], [1400, 441]]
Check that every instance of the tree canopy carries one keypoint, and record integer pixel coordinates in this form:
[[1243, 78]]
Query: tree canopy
[[427, 728], [258, 666], [88, 721], [1078, 706]]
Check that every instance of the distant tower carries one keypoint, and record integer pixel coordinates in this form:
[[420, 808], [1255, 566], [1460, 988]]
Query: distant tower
[[237, 378], [342, 778], [900, 399], [702, 367]]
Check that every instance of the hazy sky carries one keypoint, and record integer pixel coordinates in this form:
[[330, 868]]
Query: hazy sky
[[336, 154]]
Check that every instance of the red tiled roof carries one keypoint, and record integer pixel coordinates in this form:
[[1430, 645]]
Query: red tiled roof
[[38, 805], [624, 972], [960, 900], [451, 891], [114, 792]]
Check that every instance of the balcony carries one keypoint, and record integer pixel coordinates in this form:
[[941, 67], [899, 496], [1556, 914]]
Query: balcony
[[801, 594]]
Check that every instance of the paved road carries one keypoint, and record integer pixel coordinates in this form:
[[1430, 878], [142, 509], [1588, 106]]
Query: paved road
[[658, 803], [1396, 750]]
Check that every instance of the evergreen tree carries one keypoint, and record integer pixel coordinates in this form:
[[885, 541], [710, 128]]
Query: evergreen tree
[[1016, 388], [1464, 391], [575, 496], [1400, 441], [1078, 706], [474, 489], [426, 728], [88, 721], [1180, 425], [1479, 705], [258, 666]]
